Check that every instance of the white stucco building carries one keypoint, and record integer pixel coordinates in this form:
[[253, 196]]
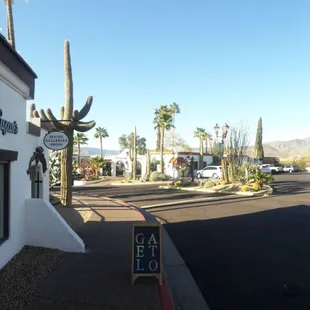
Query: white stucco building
[[24, 219]]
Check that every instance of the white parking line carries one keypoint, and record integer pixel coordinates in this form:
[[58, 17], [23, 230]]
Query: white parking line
[[172, 203]]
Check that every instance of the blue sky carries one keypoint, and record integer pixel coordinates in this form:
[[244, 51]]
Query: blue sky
[[219, 60]]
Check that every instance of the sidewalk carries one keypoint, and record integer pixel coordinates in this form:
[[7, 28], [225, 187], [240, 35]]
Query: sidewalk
[[101, 278]]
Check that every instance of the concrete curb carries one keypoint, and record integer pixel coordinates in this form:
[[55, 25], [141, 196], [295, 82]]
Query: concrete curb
[[139, 184], [164, 290], [211, 191]]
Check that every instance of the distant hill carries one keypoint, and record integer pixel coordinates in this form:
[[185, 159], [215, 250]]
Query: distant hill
[[290, 148]]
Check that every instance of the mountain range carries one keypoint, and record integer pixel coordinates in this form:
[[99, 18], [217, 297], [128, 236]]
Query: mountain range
[[282, 149]]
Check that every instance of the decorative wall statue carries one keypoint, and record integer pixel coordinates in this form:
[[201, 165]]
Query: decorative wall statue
[[69, 121], [38, 156]]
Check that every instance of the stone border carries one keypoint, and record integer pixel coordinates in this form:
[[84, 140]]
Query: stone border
[[268, 191]]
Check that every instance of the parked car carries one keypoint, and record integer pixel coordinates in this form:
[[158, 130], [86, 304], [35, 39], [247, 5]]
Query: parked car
[[270, 168], [307, 169], [210, 172], [281, 168], [290, 169], [265, 169]]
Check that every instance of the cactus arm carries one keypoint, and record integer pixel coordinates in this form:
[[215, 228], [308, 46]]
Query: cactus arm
[[84, 126], [62, 112], [84, 111], [75, 115], [53, 120]]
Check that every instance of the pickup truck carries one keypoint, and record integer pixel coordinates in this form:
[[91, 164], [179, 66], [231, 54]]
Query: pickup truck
[[269, 168]]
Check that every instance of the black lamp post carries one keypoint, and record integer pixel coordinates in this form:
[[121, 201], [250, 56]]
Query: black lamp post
[[225, 129]]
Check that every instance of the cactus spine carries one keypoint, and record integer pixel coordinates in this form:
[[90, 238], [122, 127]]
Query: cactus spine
[[70, 120]]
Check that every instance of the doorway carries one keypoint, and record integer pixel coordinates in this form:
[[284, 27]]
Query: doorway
[[4, 201]]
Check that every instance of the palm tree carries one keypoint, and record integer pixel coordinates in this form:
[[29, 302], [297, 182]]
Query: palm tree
[[78, 140], [207, 137], [163, 120], [100, 134], [200, 134], [10, 21], [175, 109]]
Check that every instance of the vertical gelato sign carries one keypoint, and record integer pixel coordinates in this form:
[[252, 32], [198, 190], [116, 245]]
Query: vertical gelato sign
[[6, 126], [56, 140], [146, 252]]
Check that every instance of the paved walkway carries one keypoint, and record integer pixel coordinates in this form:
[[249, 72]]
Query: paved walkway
[[100, 279]]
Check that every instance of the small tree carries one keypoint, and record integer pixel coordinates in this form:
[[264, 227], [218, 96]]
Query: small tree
[[100, 134], [236, 146], [78, 140], [200, 134]]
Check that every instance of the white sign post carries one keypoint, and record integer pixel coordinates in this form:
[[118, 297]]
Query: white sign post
[[56, 140]]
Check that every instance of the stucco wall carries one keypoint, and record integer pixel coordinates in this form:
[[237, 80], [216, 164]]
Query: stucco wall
[[46, 228], [13, 106]]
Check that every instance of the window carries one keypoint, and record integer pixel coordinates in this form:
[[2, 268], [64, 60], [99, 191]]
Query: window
[[4, 201], [195, 165], [210, 168]]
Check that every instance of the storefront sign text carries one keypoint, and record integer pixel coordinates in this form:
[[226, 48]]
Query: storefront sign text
[[6, 126]]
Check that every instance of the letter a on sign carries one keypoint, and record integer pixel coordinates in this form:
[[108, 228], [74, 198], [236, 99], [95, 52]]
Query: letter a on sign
[[146, 251]]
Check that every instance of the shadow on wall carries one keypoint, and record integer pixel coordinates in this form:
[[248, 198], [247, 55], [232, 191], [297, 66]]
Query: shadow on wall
[[252, 261]]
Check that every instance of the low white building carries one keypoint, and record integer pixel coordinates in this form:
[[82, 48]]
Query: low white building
[[121, 164], [26, 216], [171, 161]]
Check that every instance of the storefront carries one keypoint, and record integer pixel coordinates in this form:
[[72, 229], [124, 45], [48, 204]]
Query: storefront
[[26, 216]]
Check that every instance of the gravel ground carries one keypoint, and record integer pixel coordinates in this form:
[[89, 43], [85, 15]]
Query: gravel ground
[[24, 274]]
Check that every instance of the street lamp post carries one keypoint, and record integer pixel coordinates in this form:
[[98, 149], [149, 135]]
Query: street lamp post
[[223, 136]]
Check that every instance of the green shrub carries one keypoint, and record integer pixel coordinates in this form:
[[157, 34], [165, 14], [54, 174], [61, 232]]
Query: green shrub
[[256, 187], [178, 183], [164, 177], [245, 188], [155, 176], [261, 178], [210, 184], [224, 183], [127, 177]]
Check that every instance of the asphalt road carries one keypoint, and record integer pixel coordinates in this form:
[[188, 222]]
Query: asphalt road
[[244, 253]]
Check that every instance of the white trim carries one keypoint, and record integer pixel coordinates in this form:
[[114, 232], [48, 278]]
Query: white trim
[[9, 78]]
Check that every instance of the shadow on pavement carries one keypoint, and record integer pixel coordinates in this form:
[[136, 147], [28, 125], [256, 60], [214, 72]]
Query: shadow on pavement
[[101, 278], [253, 261]]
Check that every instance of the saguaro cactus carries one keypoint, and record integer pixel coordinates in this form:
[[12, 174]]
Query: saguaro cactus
[[148, 162], [133, 155], [69, 121]]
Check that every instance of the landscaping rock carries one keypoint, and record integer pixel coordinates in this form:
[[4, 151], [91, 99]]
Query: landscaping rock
[[24, 274]]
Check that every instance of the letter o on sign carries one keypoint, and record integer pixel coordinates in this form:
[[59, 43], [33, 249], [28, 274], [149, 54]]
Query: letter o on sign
[[56, 140], [153, 265]]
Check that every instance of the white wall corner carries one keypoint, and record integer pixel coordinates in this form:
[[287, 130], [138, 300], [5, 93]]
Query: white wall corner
[[46, 228], [8, 77]]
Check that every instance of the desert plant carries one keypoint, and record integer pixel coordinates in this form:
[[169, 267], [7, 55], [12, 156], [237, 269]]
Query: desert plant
[[261, 178], [245, 188], [164, 177], [145, 178], [155, 176], [224, 183], [133, 155], [210, 183], [148, 162], [177, 183], [70, 120], [256, 187], [54, 167], [128, 177]]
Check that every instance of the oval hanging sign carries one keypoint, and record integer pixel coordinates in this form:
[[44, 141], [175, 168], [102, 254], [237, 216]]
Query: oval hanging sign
[[56, 140]]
